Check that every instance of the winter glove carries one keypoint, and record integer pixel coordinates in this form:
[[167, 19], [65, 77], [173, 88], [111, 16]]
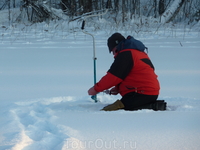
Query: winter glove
[[115, 106], [92, 91], [114, 91]]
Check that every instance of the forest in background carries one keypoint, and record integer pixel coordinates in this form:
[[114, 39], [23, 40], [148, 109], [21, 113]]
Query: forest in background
[[137, 15]]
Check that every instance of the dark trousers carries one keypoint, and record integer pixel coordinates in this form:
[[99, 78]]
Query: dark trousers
[[134, 101]]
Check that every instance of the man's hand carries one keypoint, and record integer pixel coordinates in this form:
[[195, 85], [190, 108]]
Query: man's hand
[[92, 91]]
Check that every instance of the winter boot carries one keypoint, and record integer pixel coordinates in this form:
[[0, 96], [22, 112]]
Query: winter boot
[[115, 106], [158, 105]]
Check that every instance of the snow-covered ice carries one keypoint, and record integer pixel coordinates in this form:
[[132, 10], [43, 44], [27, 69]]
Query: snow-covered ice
[[44, 78]]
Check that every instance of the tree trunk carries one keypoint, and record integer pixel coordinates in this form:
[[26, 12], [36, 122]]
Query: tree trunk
[[14, 4], [9, 15], [155, 8], [116, 5], [124, 10], [176, 11], [172, 11], [161, 7]]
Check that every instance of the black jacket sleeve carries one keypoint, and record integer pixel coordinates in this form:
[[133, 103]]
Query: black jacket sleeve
[[122, 65]]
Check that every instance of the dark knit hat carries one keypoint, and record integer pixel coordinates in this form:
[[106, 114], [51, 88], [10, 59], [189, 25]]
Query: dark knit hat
[[114, 40]]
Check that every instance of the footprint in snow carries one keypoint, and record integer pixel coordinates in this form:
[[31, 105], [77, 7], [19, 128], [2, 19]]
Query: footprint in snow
[[36, 121]]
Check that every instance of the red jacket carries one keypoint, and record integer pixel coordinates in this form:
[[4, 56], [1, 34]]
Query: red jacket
[[131, 71]]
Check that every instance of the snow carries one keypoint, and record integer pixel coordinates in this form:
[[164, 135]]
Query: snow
[[45, 75]]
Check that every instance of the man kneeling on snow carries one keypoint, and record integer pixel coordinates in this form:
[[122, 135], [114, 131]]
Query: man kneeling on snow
[[132, 75]]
